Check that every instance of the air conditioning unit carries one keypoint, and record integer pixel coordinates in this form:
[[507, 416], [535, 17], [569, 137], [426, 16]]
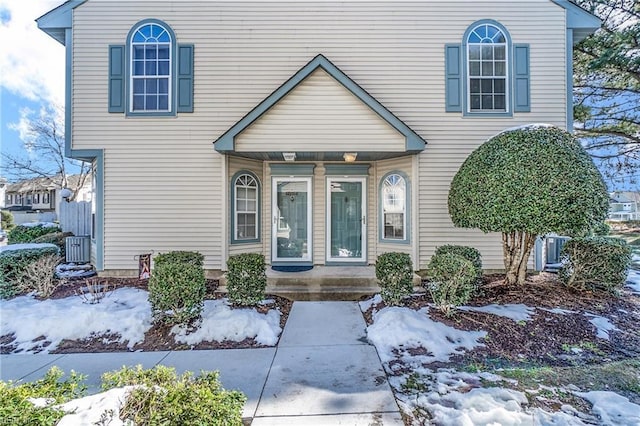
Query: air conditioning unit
[[78, 249]]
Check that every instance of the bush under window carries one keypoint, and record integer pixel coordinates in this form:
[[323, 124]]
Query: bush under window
[[246, 279], [394, 272], [452, 280]]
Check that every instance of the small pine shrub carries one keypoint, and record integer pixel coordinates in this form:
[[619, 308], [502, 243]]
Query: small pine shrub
[[452, 280], [177, 289], [246, 279], [13, 265], [394, 272], [16, 409], [26, 234], [167, 399], [57, 238], [469, 253], [595, 263]]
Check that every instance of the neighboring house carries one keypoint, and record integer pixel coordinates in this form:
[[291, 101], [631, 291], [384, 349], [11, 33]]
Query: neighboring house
[[40, 195], [317, 133], [623, 205]]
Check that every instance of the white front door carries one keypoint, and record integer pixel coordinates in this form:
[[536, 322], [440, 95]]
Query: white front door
[[291, 219], [346, 219]]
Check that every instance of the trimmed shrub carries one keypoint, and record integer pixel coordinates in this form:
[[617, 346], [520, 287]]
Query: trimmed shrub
[[17, 409], [191, 257], [595, 263], [394, 272], [177, 289], [469, 253], [6, 220], [13, 265], [26, 234], [246, 279], [57, 238], [164, 398], [453, 280]]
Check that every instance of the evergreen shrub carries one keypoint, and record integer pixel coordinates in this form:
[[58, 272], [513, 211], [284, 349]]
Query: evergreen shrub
[[26, 234], [14, 264], [394, 272], [595, 263], [452, 282], [246, 279]]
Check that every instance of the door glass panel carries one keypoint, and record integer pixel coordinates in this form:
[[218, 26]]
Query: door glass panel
[[292, 240], [346, 219]]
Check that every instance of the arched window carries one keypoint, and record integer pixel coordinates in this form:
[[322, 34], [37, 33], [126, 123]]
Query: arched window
[[151, 64], [393, 193], [487, 69], [246, 201]]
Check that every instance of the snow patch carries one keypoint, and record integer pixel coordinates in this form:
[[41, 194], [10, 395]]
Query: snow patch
[[612, 408], [126, 313], [43, 224], [102, 408], [602, 324], [558, 311], [401, 329], [366, 304], [26, 246], [516, 312], [633, 281], [219, 322]]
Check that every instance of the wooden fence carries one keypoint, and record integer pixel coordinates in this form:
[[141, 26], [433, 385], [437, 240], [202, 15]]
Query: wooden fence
[[76, 217]]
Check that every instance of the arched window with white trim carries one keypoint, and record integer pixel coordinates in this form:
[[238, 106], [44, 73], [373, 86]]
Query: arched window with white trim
[[394, 210], [245, 190]]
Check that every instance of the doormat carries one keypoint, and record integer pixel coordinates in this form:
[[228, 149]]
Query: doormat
[[295, 268]]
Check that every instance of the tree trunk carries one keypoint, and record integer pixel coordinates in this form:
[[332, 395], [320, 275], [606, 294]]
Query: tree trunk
[[516, 248]]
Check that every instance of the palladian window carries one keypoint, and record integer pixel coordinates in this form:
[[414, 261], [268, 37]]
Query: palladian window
[[487, 69]]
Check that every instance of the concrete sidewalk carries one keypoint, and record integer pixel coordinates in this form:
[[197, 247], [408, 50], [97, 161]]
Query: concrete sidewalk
[[323, 371]]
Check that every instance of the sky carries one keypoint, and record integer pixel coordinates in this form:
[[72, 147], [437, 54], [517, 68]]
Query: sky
[[31, 70]]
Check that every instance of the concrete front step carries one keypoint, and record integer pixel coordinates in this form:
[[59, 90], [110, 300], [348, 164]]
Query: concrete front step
[[324, 283]]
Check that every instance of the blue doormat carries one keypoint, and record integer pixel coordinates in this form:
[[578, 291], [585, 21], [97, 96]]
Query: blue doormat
[[294, 268]]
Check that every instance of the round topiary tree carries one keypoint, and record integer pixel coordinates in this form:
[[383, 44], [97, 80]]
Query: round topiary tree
[[526, 182]]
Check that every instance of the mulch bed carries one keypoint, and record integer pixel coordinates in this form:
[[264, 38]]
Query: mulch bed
[[158, 337], [548, 337]]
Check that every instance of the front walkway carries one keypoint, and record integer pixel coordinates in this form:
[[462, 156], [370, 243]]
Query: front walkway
[[323, 371]]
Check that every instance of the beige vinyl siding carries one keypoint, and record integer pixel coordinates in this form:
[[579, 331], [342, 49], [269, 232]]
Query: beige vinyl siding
[[163, 179], [237, 164], [320, 114]]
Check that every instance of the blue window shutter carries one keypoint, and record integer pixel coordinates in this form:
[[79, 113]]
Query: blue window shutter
[[185, 78], [116, 79], [453, 76], [521, 79]]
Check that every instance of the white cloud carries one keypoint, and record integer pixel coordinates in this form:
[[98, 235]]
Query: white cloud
[[31, 62]]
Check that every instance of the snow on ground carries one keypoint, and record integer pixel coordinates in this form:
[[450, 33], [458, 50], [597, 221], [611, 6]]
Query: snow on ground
[[558, 311], [613, 409], [633, 281], [72, 270], [125, 312], [220, 322], [26, 246], [403, 329], [366, 304], [43, 224], [102, 408], [516, 312], [602, 324]]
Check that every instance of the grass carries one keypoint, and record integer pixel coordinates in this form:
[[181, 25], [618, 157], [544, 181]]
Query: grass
[[622, 377]]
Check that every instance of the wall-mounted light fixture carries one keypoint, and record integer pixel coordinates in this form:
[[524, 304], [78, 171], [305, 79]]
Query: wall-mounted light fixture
[[66, 193], [350, 157], [289, 156]]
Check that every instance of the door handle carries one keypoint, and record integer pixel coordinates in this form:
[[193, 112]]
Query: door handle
[[364, 220]]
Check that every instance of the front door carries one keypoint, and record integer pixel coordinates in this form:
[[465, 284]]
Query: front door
[[291, 225], [346, 219]]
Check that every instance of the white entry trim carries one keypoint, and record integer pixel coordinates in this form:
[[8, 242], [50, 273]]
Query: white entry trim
[[275, 220]]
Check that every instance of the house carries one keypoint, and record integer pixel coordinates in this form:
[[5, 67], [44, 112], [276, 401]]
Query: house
[[623, 206], [38, 199], [318, 133]]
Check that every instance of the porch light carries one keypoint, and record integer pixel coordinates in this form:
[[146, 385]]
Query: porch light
[[350, 157], [289, 156]]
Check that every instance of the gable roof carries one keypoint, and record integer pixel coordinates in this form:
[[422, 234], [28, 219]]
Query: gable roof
[[57, 20], [582, 22], [414, 143]]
